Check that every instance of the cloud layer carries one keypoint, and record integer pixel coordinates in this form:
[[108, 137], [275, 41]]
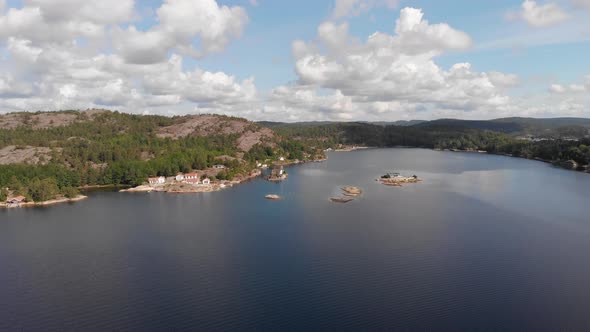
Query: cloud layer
[[105, 54]]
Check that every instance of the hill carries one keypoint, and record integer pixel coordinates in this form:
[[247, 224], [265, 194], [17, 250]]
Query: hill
[[546, 128], [100, 147]]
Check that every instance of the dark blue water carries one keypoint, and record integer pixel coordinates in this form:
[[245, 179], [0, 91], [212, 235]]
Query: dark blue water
[[485, 242]]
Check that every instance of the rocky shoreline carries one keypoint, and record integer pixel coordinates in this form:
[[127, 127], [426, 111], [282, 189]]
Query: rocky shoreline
[[45, 203], [398, 180], [570, 165]]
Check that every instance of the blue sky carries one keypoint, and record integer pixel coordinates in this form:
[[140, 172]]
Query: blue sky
[[525, 57], [265, 49]]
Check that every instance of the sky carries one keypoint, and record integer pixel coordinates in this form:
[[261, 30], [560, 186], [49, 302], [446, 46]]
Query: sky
[[305, 60]]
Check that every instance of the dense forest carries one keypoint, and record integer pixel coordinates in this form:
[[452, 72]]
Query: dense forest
[[442, 136]]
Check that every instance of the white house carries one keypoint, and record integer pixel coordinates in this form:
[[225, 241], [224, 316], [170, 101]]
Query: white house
[[179, 177], [157, 180], [281, 158], [219, 166], [206, 181]]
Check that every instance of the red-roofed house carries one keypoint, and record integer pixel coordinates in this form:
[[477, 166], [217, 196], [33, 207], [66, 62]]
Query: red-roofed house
[[189, 176]]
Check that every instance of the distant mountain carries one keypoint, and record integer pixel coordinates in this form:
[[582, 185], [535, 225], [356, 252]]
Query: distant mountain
[[552, 127], [400, 123]]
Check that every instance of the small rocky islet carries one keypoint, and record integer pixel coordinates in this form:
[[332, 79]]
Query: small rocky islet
[[349, 193], [397, 180]]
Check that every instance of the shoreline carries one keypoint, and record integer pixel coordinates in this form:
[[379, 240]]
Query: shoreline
[[46, 203], [182, 188], [556, 163]]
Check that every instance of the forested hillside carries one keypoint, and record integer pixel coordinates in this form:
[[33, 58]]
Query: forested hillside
[[64, 150], [42, 154], [440, 135]]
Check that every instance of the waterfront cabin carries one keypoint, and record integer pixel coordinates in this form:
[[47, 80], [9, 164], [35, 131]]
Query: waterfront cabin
[[206, 181], [281, 158], [15, 201], [277, 172], [157, 180], [191, 176], [192, 181], [179, 177]]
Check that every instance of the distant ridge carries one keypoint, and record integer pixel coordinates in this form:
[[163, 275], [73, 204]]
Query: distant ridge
[[516, 126]]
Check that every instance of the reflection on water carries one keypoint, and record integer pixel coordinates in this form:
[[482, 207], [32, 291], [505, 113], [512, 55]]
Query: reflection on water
[[484, 242]]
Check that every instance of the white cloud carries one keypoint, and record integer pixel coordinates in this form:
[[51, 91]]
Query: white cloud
[[9, 87], [582, 3], [542, 15], [395, 67], [181, 22], [347, 8], [45, 21], [85, 56], [573, 88], [98, 12], [61, 58]]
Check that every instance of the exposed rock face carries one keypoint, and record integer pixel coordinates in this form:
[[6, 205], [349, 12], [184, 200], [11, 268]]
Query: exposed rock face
[[249, 133], [46, 119], [349, 193], [25, 155]]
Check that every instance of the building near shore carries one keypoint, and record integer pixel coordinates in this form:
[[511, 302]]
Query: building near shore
[[190, 176], [15, 201], [157, 180], [192, 181], [206, 181], [179, 177]]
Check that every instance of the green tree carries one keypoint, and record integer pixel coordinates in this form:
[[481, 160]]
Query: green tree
[[70, 192], [3, 194]]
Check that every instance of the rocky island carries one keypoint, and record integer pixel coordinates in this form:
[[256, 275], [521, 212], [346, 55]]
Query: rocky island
[[397, 180], [349, 193]]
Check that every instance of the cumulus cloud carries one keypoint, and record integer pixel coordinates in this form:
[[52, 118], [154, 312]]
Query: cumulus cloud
[[59, 56], [538, 15], [392, 70], [180, 23], [96, 54]]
